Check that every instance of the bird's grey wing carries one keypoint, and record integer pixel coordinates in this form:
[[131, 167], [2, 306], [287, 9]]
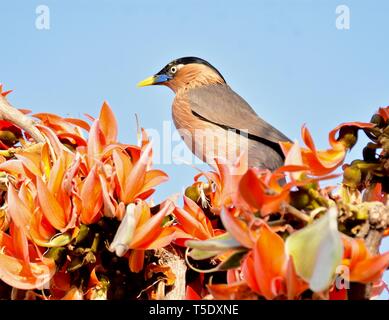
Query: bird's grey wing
[[220, 105]]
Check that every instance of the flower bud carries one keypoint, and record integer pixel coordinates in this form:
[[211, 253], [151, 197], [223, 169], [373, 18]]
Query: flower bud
[[378, 120], [193, 192], [348, 135], [299, 199], [352, 176], [123, 237]]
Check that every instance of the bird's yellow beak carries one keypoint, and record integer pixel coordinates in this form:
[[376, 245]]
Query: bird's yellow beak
[[157, 79], [147, 82]]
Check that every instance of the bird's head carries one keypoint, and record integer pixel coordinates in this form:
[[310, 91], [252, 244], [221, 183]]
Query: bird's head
[[188, 72]]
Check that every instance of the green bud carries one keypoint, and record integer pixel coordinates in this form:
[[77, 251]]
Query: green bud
[[193, 193], [348, 136], [58, 254], [82, 234], [378, 120], [369, 153], [352, 176], [299, 199], [8, 137]]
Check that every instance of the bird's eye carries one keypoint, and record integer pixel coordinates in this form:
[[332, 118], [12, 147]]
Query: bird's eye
[[173, 69]]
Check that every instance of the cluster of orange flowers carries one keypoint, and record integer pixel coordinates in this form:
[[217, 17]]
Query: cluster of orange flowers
[[80, 197]]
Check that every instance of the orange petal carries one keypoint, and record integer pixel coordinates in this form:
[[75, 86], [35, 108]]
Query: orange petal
[[56, 145], [135, 180], [273, 204], [20, 244], [136, 260], [307, 138], [93, 280], [56, 175], [237, 228], [269, 260], [152, 179], [30, 163], [96, 143], [149, 231], [252, 189], [371, 269], [189, 224], [191, 294], [354, 250], [361, 125], [123, 167], [384, 113], [91, 197], [109, 207], [248, 272], [51, 208], [40, 273], [164, 239], [294, 284], [193, 220], [78, 122], [73, 138], [285, 147], [108, 123], [14, 167], [142, 213], [19, 213]]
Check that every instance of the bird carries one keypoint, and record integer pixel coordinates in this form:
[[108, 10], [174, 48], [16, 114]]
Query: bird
[[213, 120]]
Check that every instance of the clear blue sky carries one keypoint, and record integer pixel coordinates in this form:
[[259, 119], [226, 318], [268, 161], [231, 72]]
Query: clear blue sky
[[286, 58]]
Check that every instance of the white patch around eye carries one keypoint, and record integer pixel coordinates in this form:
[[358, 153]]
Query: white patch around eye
[[173, 69]]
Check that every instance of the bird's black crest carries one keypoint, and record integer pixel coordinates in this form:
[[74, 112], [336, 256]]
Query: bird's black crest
[[188, 60]]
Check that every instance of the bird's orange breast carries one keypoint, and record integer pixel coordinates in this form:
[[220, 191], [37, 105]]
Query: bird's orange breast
[[206, 140]]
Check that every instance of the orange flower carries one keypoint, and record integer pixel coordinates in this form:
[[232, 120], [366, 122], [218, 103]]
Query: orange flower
[[134, 179], [139, 231], [68, 130], [22, 265], [237, 227], [192, 221], [91, 197], [263, 191], [38, 224], [364, 267], [268, 271], [320, 162], [226, 181]]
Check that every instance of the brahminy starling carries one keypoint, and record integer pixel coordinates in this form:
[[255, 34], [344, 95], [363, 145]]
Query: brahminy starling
[[213, 120]]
